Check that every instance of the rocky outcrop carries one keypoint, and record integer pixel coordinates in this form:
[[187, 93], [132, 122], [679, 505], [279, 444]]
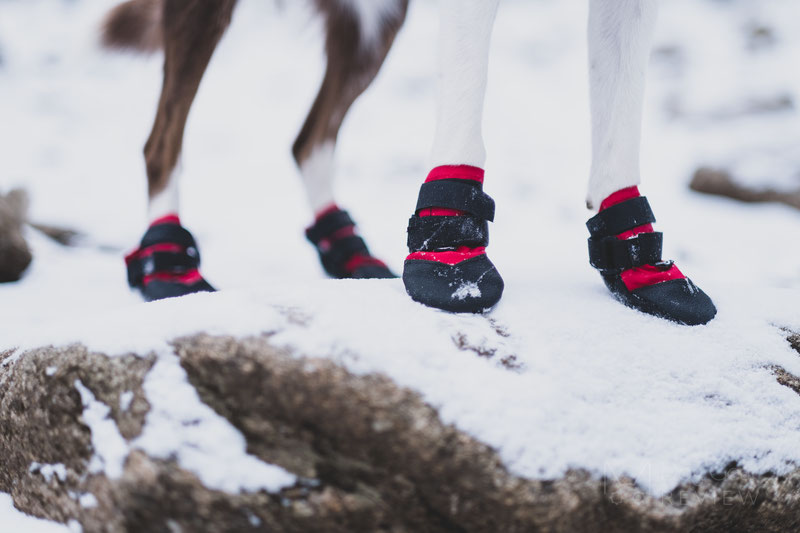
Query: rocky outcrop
[[368, 456], [15, 256], [721, 183]]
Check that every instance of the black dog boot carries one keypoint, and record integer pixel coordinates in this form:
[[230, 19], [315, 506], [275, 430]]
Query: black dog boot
[[342, 252], [166, 263], [627, 252], [447, 237]]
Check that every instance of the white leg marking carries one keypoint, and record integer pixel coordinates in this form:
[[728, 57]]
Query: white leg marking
[[620, 34], [166, 202], [464, 37], [317, 173], [372, 15]]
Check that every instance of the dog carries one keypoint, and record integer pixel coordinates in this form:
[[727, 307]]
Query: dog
[[447, 266]]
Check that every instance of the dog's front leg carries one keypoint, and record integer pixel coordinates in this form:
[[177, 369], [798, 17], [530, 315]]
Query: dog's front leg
[[448, 233], [465, 31], [619, 47], [624, 246]]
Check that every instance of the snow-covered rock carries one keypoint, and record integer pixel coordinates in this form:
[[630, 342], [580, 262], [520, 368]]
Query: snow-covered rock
[[315, 447]]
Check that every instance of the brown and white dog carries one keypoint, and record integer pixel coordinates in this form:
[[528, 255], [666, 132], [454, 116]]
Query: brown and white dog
[[448, 231]]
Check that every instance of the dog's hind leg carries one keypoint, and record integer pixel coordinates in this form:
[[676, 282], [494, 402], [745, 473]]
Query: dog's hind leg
[[166, 262], [359, 34], [191, 31], [623, 245]]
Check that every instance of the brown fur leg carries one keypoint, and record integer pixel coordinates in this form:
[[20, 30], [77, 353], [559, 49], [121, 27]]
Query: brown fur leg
[[191, 31], [134, 25], [352, 65]]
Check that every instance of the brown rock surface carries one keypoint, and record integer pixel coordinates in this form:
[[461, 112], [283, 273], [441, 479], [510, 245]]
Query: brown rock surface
[[370, 456], [15, 256], [720, 182]]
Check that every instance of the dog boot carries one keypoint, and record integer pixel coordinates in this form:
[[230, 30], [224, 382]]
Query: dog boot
[[342, 252], [166, 263], [447, 267], [627, 252]]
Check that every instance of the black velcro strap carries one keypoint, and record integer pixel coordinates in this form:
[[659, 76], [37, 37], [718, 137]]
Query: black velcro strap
[[169, 262], [328, 225], [172, 262], [340, 252], [456, 194], [426, 234], [621, 217], [168, 234], [611, 253], [144, 264]]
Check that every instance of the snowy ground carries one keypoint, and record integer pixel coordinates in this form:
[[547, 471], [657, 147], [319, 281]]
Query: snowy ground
[[599, 386]]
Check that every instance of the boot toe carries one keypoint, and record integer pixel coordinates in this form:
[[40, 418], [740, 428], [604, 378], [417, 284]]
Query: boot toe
[[679, 300], [471, 286], [160, 290]]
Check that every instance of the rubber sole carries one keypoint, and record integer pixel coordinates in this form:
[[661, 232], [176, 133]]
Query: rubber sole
[[161, 290], [677, 300], [373, 272], [471, 286]]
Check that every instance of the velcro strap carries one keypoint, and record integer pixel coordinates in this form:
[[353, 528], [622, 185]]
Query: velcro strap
[[456, 194], [143, 264], [611, 253], [328, 225], [426, 234], [621, 217], [341, 251], [173, 262], [168, 234]]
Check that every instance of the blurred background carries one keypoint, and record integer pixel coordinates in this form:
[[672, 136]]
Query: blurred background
[[722, 98]]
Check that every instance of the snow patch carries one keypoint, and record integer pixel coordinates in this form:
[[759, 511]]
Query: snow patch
[[125, 400], [180, 425], [469, 289], [110, 449], [88, 500], [49, 470]]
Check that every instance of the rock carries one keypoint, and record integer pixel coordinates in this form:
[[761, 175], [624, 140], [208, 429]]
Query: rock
[[720, 182], [368, 455], [15, 256]]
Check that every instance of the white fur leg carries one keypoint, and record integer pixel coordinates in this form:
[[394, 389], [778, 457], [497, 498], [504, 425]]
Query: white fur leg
[[619, 48], [317, 173], [464, 36], [167, 201]]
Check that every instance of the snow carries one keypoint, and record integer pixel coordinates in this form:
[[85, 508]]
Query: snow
[[125, 400], [48, 471], [88, 500], [13, 520], [110, 449], [179, 425], [467, 290], [594, 385]]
